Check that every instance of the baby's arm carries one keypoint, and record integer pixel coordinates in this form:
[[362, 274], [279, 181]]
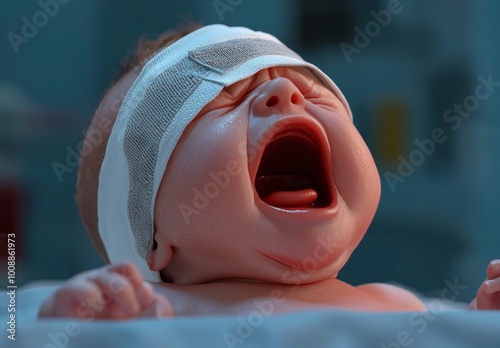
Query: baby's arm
[[111, 292], [488, 295]]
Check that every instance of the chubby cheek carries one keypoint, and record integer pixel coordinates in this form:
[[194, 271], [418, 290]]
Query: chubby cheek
[[206, 181], [355, 173]]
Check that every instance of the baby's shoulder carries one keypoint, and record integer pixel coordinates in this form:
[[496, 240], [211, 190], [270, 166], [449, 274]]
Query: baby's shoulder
[[395, 297]]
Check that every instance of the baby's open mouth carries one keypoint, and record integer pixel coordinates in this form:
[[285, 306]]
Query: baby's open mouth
[[291, 173]]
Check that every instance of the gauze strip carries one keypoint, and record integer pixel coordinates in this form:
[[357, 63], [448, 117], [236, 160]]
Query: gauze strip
[[169, 92]]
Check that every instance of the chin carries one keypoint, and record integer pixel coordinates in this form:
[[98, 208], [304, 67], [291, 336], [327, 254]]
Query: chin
[[302, 277]]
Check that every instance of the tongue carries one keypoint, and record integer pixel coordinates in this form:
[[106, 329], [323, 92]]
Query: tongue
[[286, 199], [286, 190]]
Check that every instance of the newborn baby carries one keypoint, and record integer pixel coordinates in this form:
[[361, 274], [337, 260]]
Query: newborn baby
[[222, 174]]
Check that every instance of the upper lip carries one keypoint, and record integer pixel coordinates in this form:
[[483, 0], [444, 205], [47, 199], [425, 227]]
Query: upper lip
[[306, 133]]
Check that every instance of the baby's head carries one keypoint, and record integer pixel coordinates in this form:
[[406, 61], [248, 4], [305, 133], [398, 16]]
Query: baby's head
[[267, 177]]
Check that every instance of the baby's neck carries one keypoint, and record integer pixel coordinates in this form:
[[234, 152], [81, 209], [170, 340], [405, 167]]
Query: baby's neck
[[234, 296]]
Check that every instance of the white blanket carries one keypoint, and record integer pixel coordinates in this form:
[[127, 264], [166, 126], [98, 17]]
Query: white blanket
[[316, 328]]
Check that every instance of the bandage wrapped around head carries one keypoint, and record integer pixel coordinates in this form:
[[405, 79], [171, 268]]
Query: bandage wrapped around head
[[170, 91]]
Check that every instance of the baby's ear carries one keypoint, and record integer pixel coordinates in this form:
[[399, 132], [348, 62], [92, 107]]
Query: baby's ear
[[160, 256]]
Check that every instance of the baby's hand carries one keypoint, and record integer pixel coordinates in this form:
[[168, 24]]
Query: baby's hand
[[488, 295], [111, 292]]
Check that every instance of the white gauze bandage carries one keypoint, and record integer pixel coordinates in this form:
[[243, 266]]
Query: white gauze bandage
[[170, 91]]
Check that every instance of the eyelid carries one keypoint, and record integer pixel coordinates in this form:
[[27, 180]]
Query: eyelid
[[325, 103], [312, 88], [323, 96], [239, 90], [229, 98]]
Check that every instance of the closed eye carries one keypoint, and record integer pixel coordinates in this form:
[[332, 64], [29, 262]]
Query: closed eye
[[327, 103], [323, 97], [228, 99], [315, 92]]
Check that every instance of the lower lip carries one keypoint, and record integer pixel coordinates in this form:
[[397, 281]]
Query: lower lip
[[313, 212]]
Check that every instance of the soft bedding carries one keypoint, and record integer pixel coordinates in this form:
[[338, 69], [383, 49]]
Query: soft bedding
[[316, 328]]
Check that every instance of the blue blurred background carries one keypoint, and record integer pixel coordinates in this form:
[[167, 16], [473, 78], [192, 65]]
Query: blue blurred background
[[401, 75]]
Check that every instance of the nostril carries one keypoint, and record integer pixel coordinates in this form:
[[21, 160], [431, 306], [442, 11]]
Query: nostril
[[294, 98], [272, 101]]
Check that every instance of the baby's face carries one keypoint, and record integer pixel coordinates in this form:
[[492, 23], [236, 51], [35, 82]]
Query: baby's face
[[270, 182]]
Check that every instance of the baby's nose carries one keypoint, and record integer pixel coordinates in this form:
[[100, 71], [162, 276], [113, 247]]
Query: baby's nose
[[278, 96]]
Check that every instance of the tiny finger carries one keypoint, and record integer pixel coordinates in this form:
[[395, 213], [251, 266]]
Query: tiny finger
[[118, 289], [146, 295], [84, 293], [492, 285], [130, 271], [494, 269]]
